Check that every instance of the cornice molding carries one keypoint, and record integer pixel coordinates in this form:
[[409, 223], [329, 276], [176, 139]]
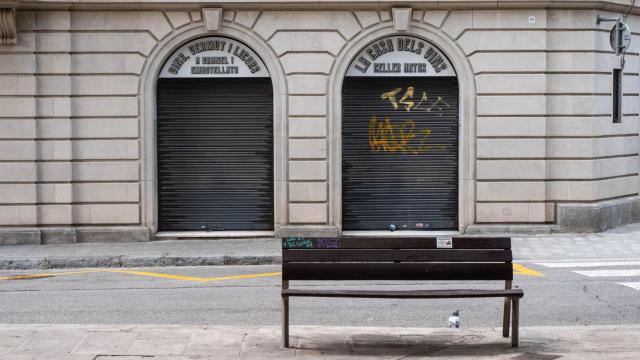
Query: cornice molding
[[8, 33], [605, 5]]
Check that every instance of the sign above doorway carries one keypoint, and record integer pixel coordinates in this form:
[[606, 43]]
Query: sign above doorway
[[214, 57], [395, 56]]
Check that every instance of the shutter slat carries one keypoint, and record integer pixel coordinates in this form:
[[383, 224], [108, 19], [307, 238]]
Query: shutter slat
[[414, 181], [215, 154]]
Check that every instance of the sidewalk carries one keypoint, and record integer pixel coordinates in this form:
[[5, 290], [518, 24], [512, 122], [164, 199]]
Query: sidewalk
[[86, 342], [142, 254], [620, 243]]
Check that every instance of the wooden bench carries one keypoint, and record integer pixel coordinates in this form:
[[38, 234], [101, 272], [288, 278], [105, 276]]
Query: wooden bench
[[423, 258]]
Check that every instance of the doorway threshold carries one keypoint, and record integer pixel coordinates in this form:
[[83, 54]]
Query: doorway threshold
[[212, 235], [399, 233]]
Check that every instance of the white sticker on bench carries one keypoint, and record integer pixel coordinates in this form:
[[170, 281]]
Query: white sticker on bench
[[444, 243]]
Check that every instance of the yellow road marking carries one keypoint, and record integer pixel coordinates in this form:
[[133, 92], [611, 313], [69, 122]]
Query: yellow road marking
[[39, 276], [152, 274], [141, 273], [517, 269], [248, 276], [521, 270], [194, 278]]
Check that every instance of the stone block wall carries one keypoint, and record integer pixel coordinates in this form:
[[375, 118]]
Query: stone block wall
[[545, 134], [69, 117], [71, 125]]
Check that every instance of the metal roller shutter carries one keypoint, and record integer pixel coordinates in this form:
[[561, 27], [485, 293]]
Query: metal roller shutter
[[400, 153], [215, 154]]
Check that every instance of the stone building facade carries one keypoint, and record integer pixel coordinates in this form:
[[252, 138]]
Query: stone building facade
[[537, 143]]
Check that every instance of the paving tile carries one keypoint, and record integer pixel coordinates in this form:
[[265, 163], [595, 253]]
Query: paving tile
[[165, 343], [600, 356], [212, 351], [51, 342], [323, 356], [81, 357], [209, 340], [107, 342], [118, 357], [159, 343], [375, 340], [215, 354], [48, 357], [262, 342], [430, 341], [318, 342], [10, 340], [19, 357]]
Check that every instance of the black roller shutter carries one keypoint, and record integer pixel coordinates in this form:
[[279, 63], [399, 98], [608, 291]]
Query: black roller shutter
[[215, 154], [400, 153]]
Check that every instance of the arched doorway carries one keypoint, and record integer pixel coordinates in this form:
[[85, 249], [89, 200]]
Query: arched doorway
[[400, 124], [214, 133]]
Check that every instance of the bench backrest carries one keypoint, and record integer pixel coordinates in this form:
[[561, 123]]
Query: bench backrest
[[404, 258]]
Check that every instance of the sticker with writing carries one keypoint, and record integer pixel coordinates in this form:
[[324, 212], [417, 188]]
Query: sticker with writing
[[297, 243], [328, 243], [444, 243]]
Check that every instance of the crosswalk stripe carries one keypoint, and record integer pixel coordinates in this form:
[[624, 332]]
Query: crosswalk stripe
[[589, 264], [609, 273], [603, 272], [633, 285]]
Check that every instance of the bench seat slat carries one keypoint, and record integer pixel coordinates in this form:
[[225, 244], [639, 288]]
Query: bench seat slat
[[393, 243], [415, 294], [442, 255], [396, 271]]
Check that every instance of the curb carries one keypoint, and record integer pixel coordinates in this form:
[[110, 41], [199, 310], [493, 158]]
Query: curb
[[133, 261]]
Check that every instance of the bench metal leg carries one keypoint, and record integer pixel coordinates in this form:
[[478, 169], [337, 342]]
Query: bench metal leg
[[515, 323], [507, 311], [285, 316]]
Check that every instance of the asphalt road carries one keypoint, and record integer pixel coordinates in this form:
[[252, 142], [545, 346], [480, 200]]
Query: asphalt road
[[559, 297]]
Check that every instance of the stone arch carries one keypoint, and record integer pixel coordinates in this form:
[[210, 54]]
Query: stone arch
[[147, 111], [467, 116]]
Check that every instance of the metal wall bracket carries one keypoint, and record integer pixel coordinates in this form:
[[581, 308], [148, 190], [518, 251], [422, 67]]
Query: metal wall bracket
[[620, 34], [8, 33]]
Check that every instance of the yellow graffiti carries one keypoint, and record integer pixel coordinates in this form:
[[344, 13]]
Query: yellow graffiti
[[407, 101], [391, 95], [404, 137], [408, 104]]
